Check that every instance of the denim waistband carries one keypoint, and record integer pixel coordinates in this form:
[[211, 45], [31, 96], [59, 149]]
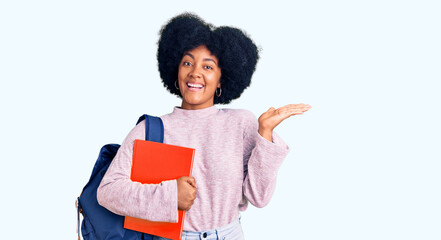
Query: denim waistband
[[234, 228]]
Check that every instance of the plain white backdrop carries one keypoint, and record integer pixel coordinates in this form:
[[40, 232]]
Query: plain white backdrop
[[364, 161]]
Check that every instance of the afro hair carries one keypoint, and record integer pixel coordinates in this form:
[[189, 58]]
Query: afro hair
[[236, 52]]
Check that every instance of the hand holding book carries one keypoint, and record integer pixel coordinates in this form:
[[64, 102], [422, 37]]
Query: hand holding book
[[154, 163], [186, 192]]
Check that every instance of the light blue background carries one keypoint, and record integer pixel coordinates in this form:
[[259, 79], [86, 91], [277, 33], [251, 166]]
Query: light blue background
[[364, 161]]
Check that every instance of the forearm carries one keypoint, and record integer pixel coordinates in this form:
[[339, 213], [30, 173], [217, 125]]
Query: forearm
[[262, 168], [117, 193]]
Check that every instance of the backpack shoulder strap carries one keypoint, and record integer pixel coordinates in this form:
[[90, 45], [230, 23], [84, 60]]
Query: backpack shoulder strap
[[154, 128]]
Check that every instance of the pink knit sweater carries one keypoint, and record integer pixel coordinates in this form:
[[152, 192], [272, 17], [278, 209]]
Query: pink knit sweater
[[233, 164]]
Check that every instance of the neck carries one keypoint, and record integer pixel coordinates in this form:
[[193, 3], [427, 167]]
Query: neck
[[187, 106], [197, 113]]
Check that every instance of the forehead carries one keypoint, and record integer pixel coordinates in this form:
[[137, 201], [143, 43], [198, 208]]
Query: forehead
[[200, 52]]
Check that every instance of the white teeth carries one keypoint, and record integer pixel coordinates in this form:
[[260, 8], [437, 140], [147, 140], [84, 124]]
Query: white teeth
[[195, 85]]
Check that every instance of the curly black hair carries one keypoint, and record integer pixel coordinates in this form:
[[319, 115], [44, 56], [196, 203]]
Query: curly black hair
[[236, 52]]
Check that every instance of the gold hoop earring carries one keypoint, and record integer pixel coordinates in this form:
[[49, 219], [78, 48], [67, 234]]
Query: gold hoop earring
[[176, 86], [220, 92]]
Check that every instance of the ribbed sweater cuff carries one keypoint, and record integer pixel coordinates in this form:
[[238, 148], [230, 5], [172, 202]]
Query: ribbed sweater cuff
[[273, 152]]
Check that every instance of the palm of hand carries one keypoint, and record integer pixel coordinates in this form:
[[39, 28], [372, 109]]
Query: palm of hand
[[273, 117]]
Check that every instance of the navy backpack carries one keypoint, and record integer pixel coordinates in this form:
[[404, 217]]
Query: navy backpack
[[98, 222]]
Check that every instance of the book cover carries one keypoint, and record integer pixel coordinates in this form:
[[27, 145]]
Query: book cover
[[153, 163]]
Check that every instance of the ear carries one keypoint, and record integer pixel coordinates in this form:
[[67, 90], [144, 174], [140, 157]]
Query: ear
[[218, 84]]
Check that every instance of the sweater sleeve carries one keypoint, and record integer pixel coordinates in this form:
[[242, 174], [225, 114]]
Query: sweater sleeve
[[262, 159], [120, 195]]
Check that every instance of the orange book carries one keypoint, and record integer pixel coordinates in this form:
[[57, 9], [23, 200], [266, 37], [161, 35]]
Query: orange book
[[153, 163]]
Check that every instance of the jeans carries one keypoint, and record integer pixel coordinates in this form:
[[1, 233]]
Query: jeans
[[232, 231]]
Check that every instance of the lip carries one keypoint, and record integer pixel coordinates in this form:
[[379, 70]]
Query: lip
[[195, 88]]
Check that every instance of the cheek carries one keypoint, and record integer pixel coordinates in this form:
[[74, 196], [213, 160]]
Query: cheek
[[215, 77], [218, 75], [181, 73]]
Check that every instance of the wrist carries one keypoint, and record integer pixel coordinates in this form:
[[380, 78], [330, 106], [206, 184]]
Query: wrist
[[266, 133]]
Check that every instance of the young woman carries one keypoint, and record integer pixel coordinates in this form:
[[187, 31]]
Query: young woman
[[237, 156]]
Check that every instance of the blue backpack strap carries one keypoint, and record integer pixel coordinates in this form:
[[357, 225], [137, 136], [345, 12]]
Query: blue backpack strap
[[154, 128]]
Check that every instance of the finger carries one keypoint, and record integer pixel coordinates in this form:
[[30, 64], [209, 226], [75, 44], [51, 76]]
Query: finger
[[271, 109], [298, 106], [301, 110], [294, 108], [296, 111], [290, 107], [291, 112]]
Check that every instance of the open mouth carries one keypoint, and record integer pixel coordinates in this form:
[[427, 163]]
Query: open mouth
[[195, 86]]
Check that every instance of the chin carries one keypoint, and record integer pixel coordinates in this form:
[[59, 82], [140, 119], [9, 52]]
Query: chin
[[196, 101], [193, 101]]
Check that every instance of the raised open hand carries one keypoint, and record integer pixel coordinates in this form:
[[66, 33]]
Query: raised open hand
[[273, 117]]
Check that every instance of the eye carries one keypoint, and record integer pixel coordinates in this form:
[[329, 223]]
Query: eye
[[186, 64], [208, 67]]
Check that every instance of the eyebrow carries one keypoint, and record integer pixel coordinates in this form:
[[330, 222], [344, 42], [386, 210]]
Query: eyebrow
[[205, 59]]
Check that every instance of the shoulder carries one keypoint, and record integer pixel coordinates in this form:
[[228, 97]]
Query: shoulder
[[137, 132], [241, 113], [243, 116]]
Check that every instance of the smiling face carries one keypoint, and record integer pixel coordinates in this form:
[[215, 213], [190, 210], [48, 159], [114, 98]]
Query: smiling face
[[198, 77]]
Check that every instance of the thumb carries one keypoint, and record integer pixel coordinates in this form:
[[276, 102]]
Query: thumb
[[191, 181]]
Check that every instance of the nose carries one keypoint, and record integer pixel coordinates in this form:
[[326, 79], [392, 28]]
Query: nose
[[196, 72]]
